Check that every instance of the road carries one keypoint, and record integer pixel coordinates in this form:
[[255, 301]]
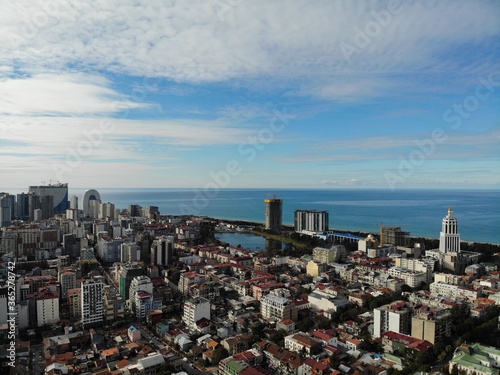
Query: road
[[151, 338]]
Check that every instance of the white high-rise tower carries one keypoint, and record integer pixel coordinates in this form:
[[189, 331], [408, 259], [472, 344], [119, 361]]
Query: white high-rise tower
[[449, 239]]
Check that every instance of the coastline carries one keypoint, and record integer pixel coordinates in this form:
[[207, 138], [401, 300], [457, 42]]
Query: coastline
[[360, 233]]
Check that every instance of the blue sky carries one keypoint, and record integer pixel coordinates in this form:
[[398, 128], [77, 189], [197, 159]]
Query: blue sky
[[240, 93]]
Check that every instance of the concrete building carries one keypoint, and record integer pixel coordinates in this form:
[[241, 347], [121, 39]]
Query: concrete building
[[331, 255], [315, 268], [151, 364], [327, 302], [395, 317], [23, 207], [114, 306], [394, 236], [140, 283], [75, 302], [426, 265], [433, 325], [409, 277], [92, 294], [91, 200], [189, 278], [449, 238], [47, 308], [455, 291], [58, 191], [142, 302], [67, 279], [106, 211], [301, 342], [476, 359], [274, 214], [73, 202], [109, 249], [277, 308], [125, 274], [7, 209], [162, 250], [311, 221], [44, 203], [130, 252], [4, 304], [195, 310]]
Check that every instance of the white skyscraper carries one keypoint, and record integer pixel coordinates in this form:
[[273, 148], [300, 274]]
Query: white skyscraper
[[73, 202], [91, 200], [449, 239], [92, 303], [311, 220]]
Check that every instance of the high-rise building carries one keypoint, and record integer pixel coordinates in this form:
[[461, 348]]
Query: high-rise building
[[126, 273], [311, 221], [130, 252], [195, 310], [140, 283], [75, 302], [333, 254], [23, 206], [431, 324], [92, 303], [7, 209], [67, 279], [274, 214], [449, 238], [394, 236], [44, 203], [426, 265], [91, 200], [162, 250], [47, 308], [58, 191], [277, 308], [134, 210], [106, 210], [395, 317], [73, 202], [113, 303]]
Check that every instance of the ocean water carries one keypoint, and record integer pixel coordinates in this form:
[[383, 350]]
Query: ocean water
[[418, 211]]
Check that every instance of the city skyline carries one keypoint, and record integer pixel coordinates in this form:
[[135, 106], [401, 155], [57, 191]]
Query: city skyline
[[384, 94]]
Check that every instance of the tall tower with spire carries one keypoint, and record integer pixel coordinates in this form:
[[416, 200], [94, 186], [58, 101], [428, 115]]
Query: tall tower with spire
[[449, 239]]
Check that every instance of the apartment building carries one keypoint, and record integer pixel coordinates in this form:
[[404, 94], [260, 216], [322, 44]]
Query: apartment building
[[395, 317], [277, 308]]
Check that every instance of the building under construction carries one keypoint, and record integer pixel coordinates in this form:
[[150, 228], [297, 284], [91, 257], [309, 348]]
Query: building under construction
[[274, 213], [395, 236]]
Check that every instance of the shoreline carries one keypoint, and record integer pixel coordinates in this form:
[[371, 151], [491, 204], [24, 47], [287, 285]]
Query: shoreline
[[361, 233]]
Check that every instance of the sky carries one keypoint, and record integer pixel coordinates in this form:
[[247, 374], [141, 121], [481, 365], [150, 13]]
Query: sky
[[250, 93]]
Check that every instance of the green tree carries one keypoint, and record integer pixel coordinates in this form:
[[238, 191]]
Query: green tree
[[220, 353]]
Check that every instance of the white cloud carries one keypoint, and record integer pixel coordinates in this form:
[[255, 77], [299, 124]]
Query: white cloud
[[476, 145], [197, 42], [65, 93]]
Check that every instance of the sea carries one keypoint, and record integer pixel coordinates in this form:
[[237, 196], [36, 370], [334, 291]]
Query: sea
[[418, 211]]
